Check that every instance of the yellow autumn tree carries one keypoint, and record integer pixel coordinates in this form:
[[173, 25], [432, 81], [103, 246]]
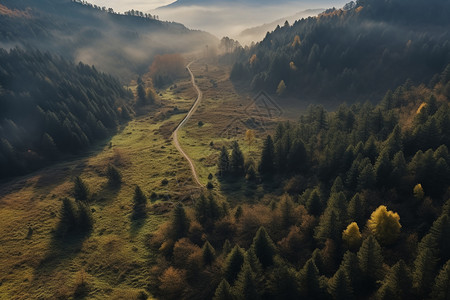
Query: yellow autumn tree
[[385, 225], [250, 137], [352, 236], [418, 192], [296, 41], [281, 88]]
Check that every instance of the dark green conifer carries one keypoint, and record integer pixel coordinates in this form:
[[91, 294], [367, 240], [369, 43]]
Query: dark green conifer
[[339, 286], [208, 253], [80, 190], [441, 288], [180, 222], [139, 204], [267, 166], [233, 264], [224, 162], [223, 291], [264, 247], [370, 262]]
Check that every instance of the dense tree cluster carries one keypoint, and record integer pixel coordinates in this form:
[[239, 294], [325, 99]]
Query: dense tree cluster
[[50, 107], [369, 217], [352, 53]]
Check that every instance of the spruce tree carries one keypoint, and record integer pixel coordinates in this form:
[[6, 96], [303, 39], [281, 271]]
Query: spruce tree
[[68, 218], [180, 222], [85, 221], [80, 190], [313, 204], [264, 247], [356, 209], [284, 283], [224, 162], [208, 253], [350, 265], [425, 266], [267, 166], [237, 160], [370, 262], [139, 204], [223, 291], [329, 226], [233, 264], [339, 286], [383, 169], [114, 176], [441, 288], [397, 284], [309, 281], [246, 286]]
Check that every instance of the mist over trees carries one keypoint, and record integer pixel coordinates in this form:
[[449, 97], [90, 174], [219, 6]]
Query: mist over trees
[[356, 53]]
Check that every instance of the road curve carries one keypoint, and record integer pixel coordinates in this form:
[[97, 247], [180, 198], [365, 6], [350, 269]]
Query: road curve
[[183, 122]]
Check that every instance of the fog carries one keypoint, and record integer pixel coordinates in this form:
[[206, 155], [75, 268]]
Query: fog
[[227, 19]]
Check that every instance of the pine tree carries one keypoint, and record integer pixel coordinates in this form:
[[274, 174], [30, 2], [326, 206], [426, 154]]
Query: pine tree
[[284, 283], [339, 286], [253, 261], [68, 218], [139, 204], [224, 162], [246, 287], [80, 190], [233, 264], [440, 232], [226, 248], [223, 291], [85, 221], [266, 165], [356, 209], [370, 262], [350, 265], [286, 208], [180, 222], [208, 253], [383, 169], [329, 226], [366, 178], [425, 265], [397, 284], [313, 204], [338, 186], [441, 288], [297, 158], [237, 160], [394, 142], [264, 247], [309, 281], [114, 176]]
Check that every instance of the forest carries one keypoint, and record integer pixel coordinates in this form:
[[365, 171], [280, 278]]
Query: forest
[[353, 53], [50, 107], [364, 213]]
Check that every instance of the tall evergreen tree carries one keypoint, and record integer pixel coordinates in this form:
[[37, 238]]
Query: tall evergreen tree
[[223, 291], [441, 288], [233, 264], [68, 218], [237, 160], [397, 284], [246, 287], [224, 162], [267, 164], [313, 204], [180, 222], [139, 204], [80, 189], [208, 253], [264, 247], [309, 281], [370, 262], [339, 286]]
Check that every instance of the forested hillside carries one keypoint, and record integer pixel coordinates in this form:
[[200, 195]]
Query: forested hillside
[[120, 44], [365, 212], [349, 54], [50, 106]]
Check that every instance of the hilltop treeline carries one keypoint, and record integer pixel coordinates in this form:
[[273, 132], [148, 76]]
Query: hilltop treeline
[[352, 53], [49, 107], [365, 214]]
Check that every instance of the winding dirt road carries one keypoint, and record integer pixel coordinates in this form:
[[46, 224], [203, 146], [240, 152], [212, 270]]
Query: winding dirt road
[[183, 122]]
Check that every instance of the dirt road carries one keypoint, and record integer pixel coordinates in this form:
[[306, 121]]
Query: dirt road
[[186, 118]]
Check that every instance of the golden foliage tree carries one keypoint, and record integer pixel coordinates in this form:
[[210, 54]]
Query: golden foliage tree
[[418, 192], [281, 88], [173, 283], [385, 225], [352, 236]]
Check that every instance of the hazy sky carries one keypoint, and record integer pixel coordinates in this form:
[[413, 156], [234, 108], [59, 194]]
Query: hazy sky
[[124, 5]]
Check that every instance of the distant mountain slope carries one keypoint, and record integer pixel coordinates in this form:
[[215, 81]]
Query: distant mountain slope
[[180, 3], [257, 33], [351, 54], [118, 44]]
